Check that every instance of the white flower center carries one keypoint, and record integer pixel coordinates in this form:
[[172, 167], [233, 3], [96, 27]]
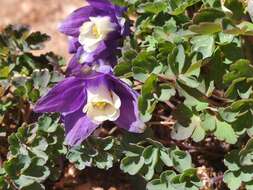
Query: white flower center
[[102, 104], [95, 31]]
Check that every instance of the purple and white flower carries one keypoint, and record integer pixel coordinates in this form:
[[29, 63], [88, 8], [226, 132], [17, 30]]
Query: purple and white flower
[[95, 31], [86, 101]]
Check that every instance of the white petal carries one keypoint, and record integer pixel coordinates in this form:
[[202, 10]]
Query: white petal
[[115, 116], [90, 44], [100, 115], [104, 25], [101, 94], [116, 100], [90, 40], [86, 28]]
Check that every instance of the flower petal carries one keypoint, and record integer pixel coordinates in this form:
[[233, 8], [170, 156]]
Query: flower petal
[[77, 127], [100, 52], [99, 4], [73, 45], [66, 96], [71, 25], [107, 5], [129, 118], [74, 66]]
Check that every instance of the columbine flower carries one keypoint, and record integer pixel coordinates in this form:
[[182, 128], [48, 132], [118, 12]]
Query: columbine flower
[[86, 101], [95, 30]]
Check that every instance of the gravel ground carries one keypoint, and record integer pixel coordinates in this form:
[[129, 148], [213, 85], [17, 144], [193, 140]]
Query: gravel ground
[[42, 15]]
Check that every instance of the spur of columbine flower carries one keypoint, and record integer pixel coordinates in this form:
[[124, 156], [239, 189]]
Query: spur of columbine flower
[[95, 30], [100, 65], [86, 101]]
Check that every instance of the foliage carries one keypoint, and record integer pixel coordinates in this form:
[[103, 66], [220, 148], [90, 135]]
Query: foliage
[[34, 150], [191, 61], [239, 164], [24, 75], [199, 54], [34, 155], [96, 152]]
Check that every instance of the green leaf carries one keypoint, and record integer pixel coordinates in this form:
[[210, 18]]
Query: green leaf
[[41, 78], [208, 15], [132, 165], [246, 154], [165, 92], [228, 115], [4, 72], [225, 132], [182, 160], [97, 152], [15, 166], [34, 186], [103, 161], [236, 7], [149, 86], [166, 158], [177, 59], [180, 132], [163, 182], [150, 154], [206, 28], [240, 68], [203, 44], [208, 122], [198, 134], [36, 39], [122, 69], [179, 6], [189, 81], [35, 171], [232, 160], [47, 124], [153, 7], [233, 181], [244, 28]]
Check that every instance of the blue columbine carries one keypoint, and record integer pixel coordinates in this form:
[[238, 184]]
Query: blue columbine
[[87, 100], [95, 31]]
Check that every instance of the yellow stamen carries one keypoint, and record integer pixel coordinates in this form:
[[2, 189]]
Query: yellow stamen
[[100, 105], [95, 31]]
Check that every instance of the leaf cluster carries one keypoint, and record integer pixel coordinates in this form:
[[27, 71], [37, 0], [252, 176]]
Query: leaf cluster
[[95, 152], [25, 74], [34, 155], [192, 61]]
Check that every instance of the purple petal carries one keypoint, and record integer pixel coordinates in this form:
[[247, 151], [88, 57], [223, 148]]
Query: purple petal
[[106, 50], [100, 52], [129, 118], [101, 63], [71, 25], [77, 127], [107, 5], [99, 4], [73, 45], [66, 96], [92, 76], [97, 80], [74, 66], [103, 67]]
